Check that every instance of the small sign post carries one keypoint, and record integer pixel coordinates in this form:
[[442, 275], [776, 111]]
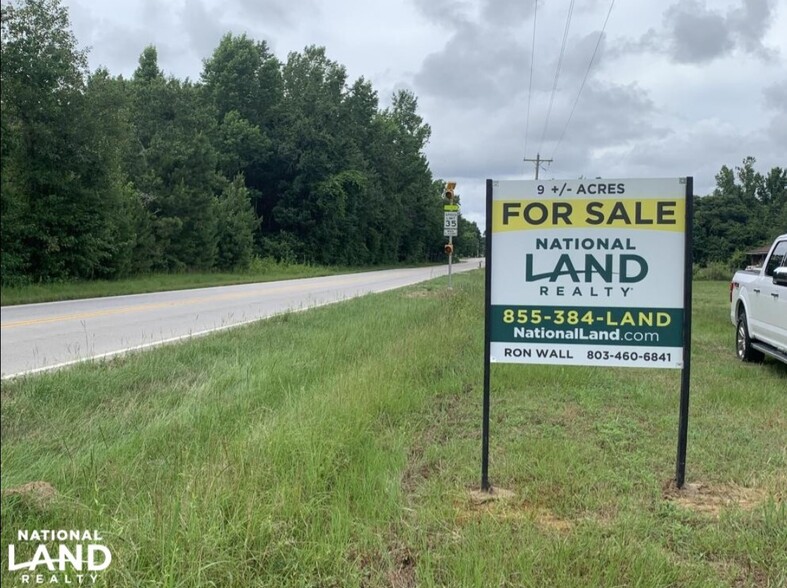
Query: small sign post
[[450, 226], [589, 272]]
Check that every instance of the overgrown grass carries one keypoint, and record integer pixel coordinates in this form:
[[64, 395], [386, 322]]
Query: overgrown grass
[[260, 270], [715, 271], [339, 447]]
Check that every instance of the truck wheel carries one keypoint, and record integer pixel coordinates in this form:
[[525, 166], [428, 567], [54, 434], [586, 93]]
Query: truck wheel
[[743, 342]]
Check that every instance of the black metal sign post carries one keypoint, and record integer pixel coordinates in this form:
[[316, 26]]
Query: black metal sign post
[[487, 341], [685, 374]]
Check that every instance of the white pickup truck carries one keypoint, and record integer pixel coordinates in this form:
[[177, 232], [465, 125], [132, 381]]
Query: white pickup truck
[[758, 307]]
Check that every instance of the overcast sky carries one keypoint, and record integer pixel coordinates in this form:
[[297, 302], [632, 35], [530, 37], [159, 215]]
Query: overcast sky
[[676, 88]]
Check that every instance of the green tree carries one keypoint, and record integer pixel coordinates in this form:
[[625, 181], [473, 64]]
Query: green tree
[[773, 195], [746, 210], [236, 222], [242, 83], [308, 147], [129, 224], [243, 76], [241, 146], [106, 177], [468, 242], [411, 182], [176, 166], [57, 173]]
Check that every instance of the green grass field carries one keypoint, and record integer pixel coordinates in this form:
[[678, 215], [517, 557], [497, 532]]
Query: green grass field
[[341, 447]]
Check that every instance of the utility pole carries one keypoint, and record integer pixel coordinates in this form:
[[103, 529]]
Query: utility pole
[[538, 161]]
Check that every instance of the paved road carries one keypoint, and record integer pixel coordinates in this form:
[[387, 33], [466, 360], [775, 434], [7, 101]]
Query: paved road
[[37, 337]]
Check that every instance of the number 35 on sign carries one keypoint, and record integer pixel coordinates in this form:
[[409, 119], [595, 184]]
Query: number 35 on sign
[[451, 224]]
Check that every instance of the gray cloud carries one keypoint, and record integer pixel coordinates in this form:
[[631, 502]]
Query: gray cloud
[[484, 64], [700, 150], [693, 33], [110, 45], [749, 24], [651, 42], [507, 13], [485, 69], [475, 67], [203, 28], [697, 34], [452, 13], [776, 96], [476, 91], [777, 134], [776, 100], [577, 57], [122, 47], [608, 116], [273, 12]]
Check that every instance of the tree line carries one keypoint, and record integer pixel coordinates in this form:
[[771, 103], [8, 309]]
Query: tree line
[[746, 210], [105, 177]]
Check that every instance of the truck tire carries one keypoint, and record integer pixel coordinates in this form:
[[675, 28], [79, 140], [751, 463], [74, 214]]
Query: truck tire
[[743, 342]]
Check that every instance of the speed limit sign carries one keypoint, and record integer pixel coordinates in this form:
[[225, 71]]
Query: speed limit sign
[[451, 224]]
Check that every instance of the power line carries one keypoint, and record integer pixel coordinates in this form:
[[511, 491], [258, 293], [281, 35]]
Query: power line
[[532, 65], [587, 73], [557, 72]]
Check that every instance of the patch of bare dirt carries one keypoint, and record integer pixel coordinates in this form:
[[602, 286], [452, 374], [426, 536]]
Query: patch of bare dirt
[[403, 573], [40, 493], [502, 505], [711, 500], [479, 497], [547, 520], [439, 293], [377, 571]]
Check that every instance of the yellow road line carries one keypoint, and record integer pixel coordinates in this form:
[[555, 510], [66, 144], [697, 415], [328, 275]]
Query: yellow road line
[[78, 316]]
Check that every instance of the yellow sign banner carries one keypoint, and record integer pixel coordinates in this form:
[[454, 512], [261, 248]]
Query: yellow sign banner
[[651, 214]]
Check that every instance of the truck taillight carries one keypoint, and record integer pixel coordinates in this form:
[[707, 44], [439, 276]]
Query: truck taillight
[[733, 285]]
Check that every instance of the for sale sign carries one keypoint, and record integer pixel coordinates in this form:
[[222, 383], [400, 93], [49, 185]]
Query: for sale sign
[[588, 272]]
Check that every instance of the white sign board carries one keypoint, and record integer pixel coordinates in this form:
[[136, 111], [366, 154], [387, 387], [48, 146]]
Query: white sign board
[[588, 272], [450, 224]]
